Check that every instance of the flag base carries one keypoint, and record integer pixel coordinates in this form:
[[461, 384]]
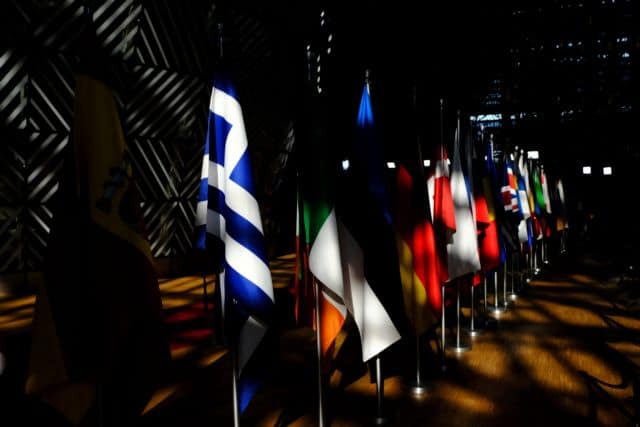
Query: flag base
[[419, 389], [459, 348], [496, 310], [381, 421], [475, 332]]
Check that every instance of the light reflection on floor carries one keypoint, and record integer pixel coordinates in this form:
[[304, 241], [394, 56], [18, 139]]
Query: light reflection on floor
[[566, 353]]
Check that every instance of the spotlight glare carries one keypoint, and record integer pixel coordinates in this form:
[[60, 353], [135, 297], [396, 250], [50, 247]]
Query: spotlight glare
[[427, 163], [586, 170], [391, 165], [607, 170], [345, 164]]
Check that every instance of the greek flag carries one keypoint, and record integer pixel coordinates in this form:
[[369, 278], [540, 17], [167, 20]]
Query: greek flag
[[228, 212]]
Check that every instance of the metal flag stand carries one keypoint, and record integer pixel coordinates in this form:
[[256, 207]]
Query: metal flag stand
[[474, 331], [417, 385], [484, 296], [220, 284], [234, 383], [459, 346], [515, 272], [443, 334], [380, 419], [496, 308], [505, 300], [319, 354], [443, 346]]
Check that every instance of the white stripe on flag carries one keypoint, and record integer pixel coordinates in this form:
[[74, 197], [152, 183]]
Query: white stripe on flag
[[201, 212], [205, 167], [247, 264], [243, 203], [216, 176], [227, 107], [324, 258], [377, 331]]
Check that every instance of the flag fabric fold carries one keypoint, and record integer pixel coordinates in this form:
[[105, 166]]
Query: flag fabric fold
[[484, 197], [98, 319], [442, 209], [415, 241], [228, 212], [321, 223], [462, 251], [372, 291]]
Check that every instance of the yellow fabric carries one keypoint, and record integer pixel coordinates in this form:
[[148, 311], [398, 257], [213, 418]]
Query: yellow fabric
[[103, 169], [413, 290]]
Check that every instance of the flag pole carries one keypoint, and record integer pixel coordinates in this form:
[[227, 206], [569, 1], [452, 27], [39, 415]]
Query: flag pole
[[319, 354], [380, 418], [234, 345], [484, 274], [316, 291], [443, 325], [234, 383], [484, 282], [515, 262], [418, 388], [505, 279], [459, 347], [473, 331], [496, 309], [443, 333]]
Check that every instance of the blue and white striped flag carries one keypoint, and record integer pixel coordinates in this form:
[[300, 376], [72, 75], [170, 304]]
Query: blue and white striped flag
[[228, 211]]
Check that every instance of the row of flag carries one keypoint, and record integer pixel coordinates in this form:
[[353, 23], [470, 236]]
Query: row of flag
[[377, 256], [457, 219]]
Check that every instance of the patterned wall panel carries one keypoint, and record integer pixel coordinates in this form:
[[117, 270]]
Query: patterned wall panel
[[13, 81], [163, 103], [167, 175], [184, 213], [37, 226], [12, 168], [11, 239], [160, 222], [163, 53], [15, 24], [117, 26], [189, 163], [176, 37], [51, 94], [44, 154], [155, 167], [57, 24]]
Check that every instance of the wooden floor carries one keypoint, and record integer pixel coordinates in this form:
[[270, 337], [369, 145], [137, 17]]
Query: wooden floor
[[566, 354]]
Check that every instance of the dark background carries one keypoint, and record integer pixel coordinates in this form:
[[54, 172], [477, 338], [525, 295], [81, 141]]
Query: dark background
[[557, 67]]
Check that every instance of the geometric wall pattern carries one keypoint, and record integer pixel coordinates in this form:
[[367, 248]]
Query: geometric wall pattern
[[165, 53]]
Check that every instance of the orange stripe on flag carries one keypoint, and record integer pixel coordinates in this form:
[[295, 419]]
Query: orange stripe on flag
[[331, 321]]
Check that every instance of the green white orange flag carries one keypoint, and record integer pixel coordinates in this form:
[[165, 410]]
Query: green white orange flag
[[322, 225]]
